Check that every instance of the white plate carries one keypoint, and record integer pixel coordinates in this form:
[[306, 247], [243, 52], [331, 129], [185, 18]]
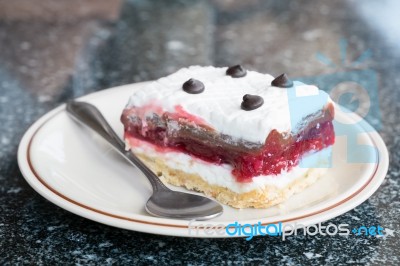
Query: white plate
[[76, 170]]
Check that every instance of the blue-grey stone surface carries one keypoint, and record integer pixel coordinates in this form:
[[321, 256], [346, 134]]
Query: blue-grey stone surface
[[45, 61]]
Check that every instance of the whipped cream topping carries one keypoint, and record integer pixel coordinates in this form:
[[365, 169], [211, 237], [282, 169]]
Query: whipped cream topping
[[221, 175], [219, 105]]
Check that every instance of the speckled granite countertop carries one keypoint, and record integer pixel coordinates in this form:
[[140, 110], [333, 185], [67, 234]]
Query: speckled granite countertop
[[53, 52]]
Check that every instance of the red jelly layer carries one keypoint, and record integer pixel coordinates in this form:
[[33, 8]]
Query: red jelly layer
[[280, 151]]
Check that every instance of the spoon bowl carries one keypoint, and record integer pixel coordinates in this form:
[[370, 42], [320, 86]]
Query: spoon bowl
[[181, 205]]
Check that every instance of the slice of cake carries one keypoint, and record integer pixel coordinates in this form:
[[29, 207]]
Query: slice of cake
[[245, 138]]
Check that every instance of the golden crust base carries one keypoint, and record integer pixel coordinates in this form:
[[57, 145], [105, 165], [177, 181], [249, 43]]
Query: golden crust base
[[262, 197]]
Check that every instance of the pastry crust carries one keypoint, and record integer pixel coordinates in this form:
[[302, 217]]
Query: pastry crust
[[262, 197]]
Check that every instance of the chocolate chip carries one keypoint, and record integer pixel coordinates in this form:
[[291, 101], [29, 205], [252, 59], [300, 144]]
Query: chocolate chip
[[282, 81], [251, 102], [193, 86], [236, 71]]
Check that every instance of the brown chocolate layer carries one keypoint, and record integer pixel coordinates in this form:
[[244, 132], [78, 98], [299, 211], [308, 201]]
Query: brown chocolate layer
[[163, 129]]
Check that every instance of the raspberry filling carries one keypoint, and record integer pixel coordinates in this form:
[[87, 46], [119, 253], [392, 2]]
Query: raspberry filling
[[281, 151]]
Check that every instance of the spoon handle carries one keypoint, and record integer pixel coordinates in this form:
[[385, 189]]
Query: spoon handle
[[91, 117]]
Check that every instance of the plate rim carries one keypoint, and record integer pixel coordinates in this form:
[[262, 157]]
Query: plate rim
[[30, 175]]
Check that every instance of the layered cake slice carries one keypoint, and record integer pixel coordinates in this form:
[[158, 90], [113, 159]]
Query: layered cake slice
[[245, 138]]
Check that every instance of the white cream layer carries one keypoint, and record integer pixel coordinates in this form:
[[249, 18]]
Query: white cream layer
[[221, 175], [219, 104]]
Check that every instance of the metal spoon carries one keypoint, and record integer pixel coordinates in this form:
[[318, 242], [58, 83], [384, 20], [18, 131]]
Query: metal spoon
[[164, 202]]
